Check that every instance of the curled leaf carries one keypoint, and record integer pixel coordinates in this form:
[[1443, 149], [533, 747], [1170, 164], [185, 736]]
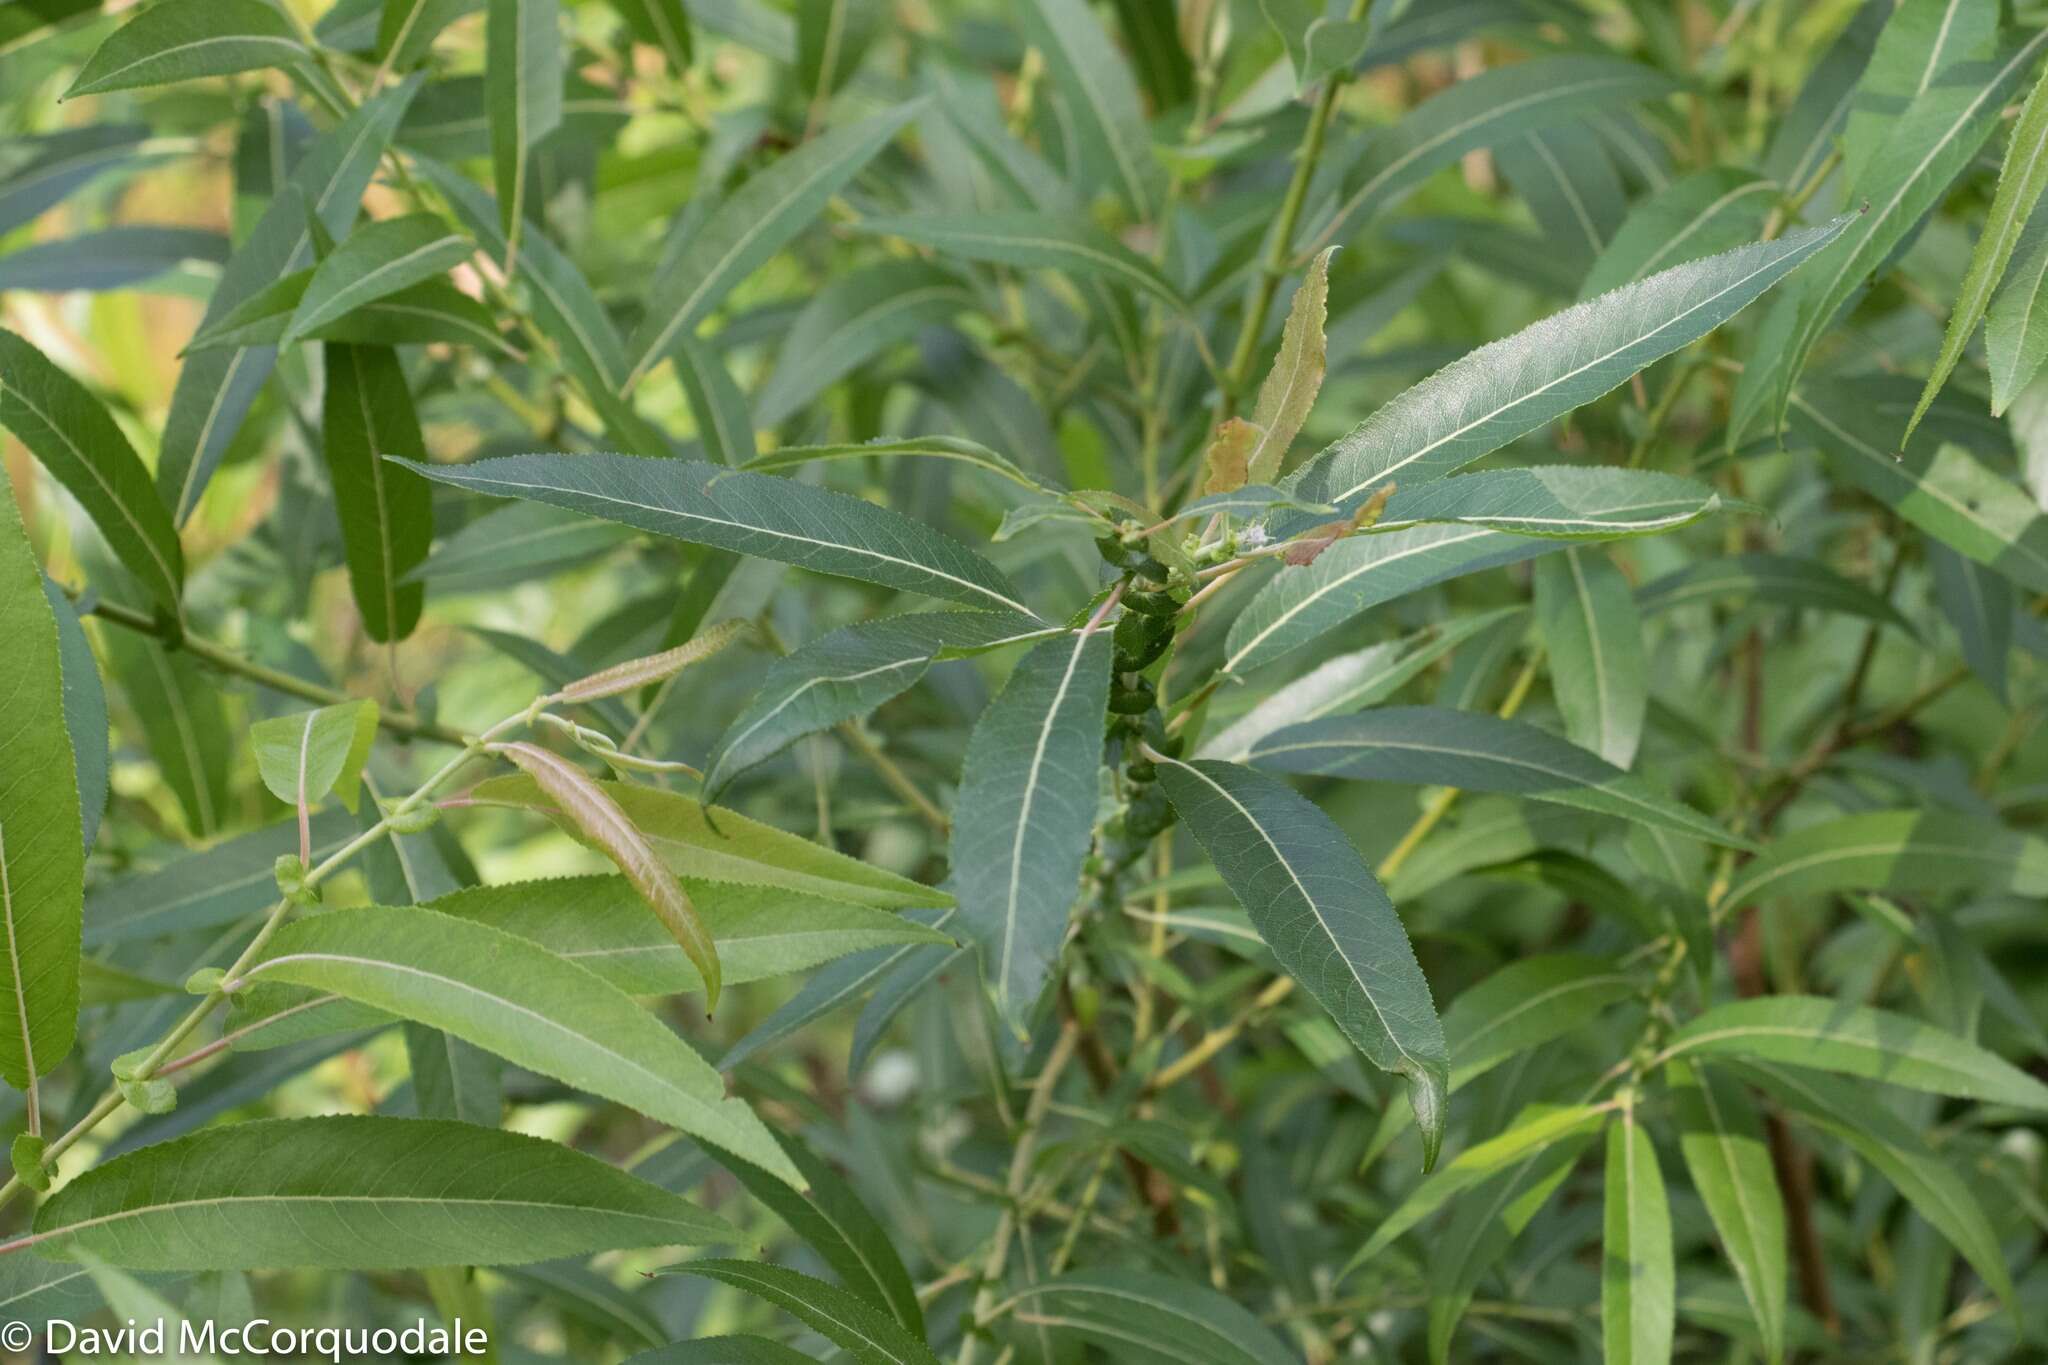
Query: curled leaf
[[653, 668]]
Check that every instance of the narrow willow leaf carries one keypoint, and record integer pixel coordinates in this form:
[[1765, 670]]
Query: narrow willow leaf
[[1594, 636], [735, 1350], [1768, 579], [183, 40], [1525, 1005], [386, 510], [2016, 326], [2021, 178], [1514, 386], [663, 25], [1567, 179], [374, 262], [1025, 814], [598, 818], [602, 923], [723, 845], [848, 673], [1349, 681], [1979, 604], [1256, 500], [1226, 462], [1101, 99], [109, 258], [204, 890], [636, 673], [357, 1193], [1722, 1142], [215, 388], [1146, 1316], [953, 448], [1491, 108], [532, 1008], [75, 438], [1854, 1040], [1704, 213], [1911, 164], [853, 320], [758, 220], [751, 514], [1290, 387], [1901, 851], [523, 69], [518, 543], [42, 849], [828, 989], [1936, 485], [302, 757], [1031, 241], [839, 1227], [1567, 501], [1325, 918], [184, 721], [1438, 746], [1638, 1284], [407, 28], [864, 1331], [894, 992], [85, 712], [1535, 1130], [725, 426], [1300, 604], [43, 171]]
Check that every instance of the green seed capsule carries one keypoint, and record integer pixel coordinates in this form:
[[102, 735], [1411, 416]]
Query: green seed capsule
[[1132, 701]]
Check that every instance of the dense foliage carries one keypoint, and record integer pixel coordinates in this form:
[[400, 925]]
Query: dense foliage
[[1246, 681]]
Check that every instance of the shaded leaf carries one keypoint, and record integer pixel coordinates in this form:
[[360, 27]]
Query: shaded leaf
[[374, 262], [1594, 637], [869, 1334], [1031, 241], [1722, 1142], [1638, 1285]]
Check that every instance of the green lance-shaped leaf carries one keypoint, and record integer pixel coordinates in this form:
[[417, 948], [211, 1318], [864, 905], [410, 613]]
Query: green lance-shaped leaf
[[1101, 98], [732, 1350], [515, 998], [2016, 325], [374, 262], [1915, 158], [1511, 387], [386, 509], [1570, 502], [1855, 1040], [1900, 851], [407, 28], [1768, 579], [839, 1227], [868, 1333], [1494, 107], [44, 170], [218, 885], [752, 514], [833, 986], [107, 259], [348, 1192], [954, 448], [1435, 745], [758, 220], [848, 673], [1325, 917], [1144, 1315], [1349, 681], [663, 25], [851, 321], [1526, 1004], [1979, 605], [725, 427], [1290, 387], [1935, 1188], [598, 818], [1594, 635], [522, 98], [1709, 211], [42, 850], [1638, 1284], [302, 757], [1025, 813], [1722, 1142], [1534, 1131], [183, 40], [215, 388], [85, 712], [723, 845], [1936, 485], [75, 438], [1031, 241], [2021, 179], [184, 720], [1300, 604], [417, 315], [602, 923], [517, 543]]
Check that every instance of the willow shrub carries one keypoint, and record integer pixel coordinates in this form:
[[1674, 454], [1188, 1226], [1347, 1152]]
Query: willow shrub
[[1408, 730]]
